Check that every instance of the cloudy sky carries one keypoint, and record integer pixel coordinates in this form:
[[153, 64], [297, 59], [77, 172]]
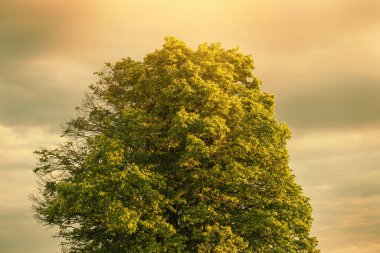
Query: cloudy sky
[[320, 59]]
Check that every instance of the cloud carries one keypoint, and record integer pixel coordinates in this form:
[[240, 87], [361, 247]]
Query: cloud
[[37, 85], [31, 27], [339, 171], [16, 148], [42, 92], [19, 231], [290, 27], [349, 104]]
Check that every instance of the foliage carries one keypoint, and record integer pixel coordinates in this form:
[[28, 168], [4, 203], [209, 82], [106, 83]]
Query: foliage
[[178, 153]]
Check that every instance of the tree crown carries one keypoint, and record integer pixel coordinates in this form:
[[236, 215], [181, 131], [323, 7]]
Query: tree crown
[[177, 153]]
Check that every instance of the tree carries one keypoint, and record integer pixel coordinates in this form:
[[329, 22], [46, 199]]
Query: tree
[[178, 153]]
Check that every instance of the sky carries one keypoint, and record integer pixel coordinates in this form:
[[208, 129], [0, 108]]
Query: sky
[[319, 58]]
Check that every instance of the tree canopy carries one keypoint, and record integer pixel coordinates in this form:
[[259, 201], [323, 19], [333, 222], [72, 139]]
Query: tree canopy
[[180, 152]]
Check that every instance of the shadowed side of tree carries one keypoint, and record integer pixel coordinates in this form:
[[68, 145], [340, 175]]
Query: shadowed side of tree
[[177, 153]]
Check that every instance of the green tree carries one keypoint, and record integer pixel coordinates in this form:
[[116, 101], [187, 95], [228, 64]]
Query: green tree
[[178, 153]]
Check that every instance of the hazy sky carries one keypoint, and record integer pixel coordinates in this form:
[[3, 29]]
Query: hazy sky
[[320, 59]]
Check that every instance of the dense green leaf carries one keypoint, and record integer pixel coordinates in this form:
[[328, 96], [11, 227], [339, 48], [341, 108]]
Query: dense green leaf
[[178, 153]]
